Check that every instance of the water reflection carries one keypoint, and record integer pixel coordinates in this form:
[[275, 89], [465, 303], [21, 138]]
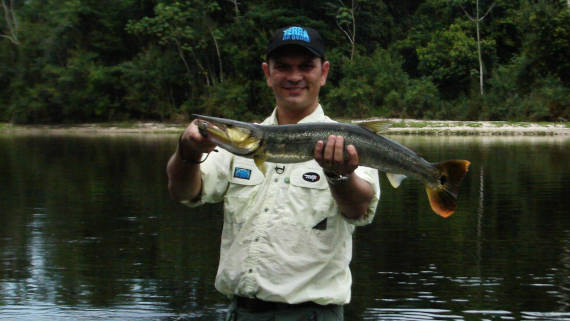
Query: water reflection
[[88, 232]]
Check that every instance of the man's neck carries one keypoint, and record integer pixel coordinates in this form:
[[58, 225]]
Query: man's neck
[[286, 116]]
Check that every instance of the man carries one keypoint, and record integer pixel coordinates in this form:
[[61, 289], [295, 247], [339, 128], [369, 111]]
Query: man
[[287, 240]]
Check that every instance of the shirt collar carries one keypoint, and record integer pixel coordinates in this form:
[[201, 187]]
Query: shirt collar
[[317, 115]]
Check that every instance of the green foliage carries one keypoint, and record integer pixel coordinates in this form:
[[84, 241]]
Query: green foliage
[[547, 44], [228, 99], [548, 100], [89, 60], [154, 85], [422, 100], [377, 85], [364, 84], [81, 91], [450, 59], [186, 28]]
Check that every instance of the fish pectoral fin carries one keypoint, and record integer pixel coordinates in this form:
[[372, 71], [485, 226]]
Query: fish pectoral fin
[[395, 179], [377, 126], [260, 163]]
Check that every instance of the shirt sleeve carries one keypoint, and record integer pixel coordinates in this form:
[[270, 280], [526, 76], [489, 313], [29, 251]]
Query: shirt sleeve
[[214, 172], [371, 176]]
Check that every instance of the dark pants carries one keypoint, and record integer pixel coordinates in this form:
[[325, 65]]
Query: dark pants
[[284, 312]]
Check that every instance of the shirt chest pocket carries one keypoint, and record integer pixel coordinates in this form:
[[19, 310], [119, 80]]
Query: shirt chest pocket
[[245, 182], [310, 197]]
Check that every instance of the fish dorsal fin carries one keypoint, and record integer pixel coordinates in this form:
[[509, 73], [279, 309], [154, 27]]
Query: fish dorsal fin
[[377, 126], [395, 179]]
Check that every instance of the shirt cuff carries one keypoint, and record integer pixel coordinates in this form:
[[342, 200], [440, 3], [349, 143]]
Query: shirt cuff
[[371, 176]]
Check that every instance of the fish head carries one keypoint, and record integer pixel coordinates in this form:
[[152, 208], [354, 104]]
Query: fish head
[[237, 137]]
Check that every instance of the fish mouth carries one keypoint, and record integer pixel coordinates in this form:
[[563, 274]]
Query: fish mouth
[[237, 137]]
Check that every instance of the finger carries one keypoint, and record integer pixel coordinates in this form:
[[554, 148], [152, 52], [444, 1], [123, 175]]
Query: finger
[[329, 149], [353, 159], [318, 153], [339, 151]]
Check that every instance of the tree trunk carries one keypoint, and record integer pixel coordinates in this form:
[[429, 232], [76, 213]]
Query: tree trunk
[[11, 22], [181, 55], [219, 56], [236, 9], [350, 35], [204, 72], [477, 19], [353, 31], [479, 53]]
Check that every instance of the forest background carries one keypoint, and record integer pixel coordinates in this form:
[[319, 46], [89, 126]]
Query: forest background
[[70, 61]]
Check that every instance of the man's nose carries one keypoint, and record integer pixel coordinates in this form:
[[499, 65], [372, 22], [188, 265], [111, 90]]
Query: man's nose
[[295, 75]]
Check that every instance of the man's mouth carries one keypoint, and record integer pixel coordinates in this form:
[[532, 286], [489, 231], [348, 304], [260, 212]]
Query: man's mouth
[[294, 89]]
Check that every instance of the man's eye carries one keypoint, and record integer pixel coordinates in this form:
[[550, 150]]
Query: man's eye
[[307, 67]]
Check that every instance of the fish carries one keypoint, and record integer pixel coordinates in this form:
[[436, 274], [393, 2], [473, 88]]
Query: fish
[[295, 143]]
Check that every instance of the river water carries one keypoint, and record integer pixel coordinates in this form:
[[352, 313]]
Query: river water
[[88, 232]]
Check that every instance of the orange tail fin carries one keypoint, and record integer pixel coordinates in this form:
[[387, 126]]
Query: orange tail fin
[[443, 198]]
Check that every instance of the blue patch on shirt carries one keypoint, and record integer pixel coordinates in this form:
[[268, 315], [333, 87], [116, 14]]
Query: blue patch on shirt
[[296, 33], [242, 173]]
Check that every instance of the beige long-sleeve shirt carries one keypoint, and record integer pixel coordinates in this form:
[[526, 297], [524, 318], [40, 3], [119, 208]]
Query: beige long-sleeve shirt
[[284, 238]]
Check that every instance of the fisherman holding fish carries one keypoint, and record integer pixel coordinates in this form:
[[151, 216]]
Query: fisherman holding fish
[[286, 242]]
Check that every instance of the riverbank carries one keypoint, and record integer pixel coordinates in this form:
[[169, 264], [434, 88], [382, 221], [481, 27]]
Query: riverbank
[[487, 128], [398, 126]]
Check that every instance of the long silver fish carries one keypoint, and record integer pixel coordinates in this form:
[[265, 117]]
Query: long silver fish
[[295, 143]]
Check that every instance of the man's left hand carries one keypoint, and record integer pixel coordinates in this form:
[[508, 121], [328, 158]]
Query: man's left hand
[[331, 156]]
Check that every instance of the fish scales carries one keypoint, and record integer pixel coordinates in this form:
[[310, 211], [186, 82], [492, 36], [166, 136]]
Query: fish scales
[[295, 143]]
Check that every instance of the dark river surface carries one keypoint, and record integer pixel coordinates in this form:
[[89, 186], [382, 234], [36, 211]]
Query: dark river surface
[[88, 232]]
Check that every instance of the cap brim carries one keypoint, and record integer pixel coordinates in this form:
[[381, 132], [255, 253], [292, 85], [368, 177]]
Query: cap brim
[[314, 52]]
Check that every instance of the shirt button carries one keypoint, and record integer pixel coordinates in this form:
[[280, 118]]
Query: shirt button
[[276, 180], [257, 239], [250, 271], [266, 209]]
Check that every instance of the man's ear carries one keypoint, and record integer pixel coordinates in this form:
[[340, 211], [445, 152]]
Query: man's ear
[[265, 67], [325, 72]]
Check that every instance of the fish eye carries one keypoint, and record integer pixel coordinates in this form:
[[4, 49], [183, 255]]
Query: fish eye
[[443, 180]]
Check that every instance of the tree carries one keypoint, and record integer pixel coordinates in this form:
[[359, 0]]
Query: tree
[[11, 22], [478, 19], [546, 41], [190, 30], [447, 59], [377, 85], [93, 60], [345, 19], [236, 6]]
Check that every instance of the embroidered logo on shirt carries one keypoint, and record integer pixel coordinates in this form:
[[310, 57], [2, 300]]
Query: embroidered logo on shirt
[[311, 177], [242, 173]]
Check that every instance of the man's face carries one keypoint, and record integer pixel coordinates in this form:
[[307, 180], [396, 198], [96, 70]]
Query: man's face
[[296, 78]]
